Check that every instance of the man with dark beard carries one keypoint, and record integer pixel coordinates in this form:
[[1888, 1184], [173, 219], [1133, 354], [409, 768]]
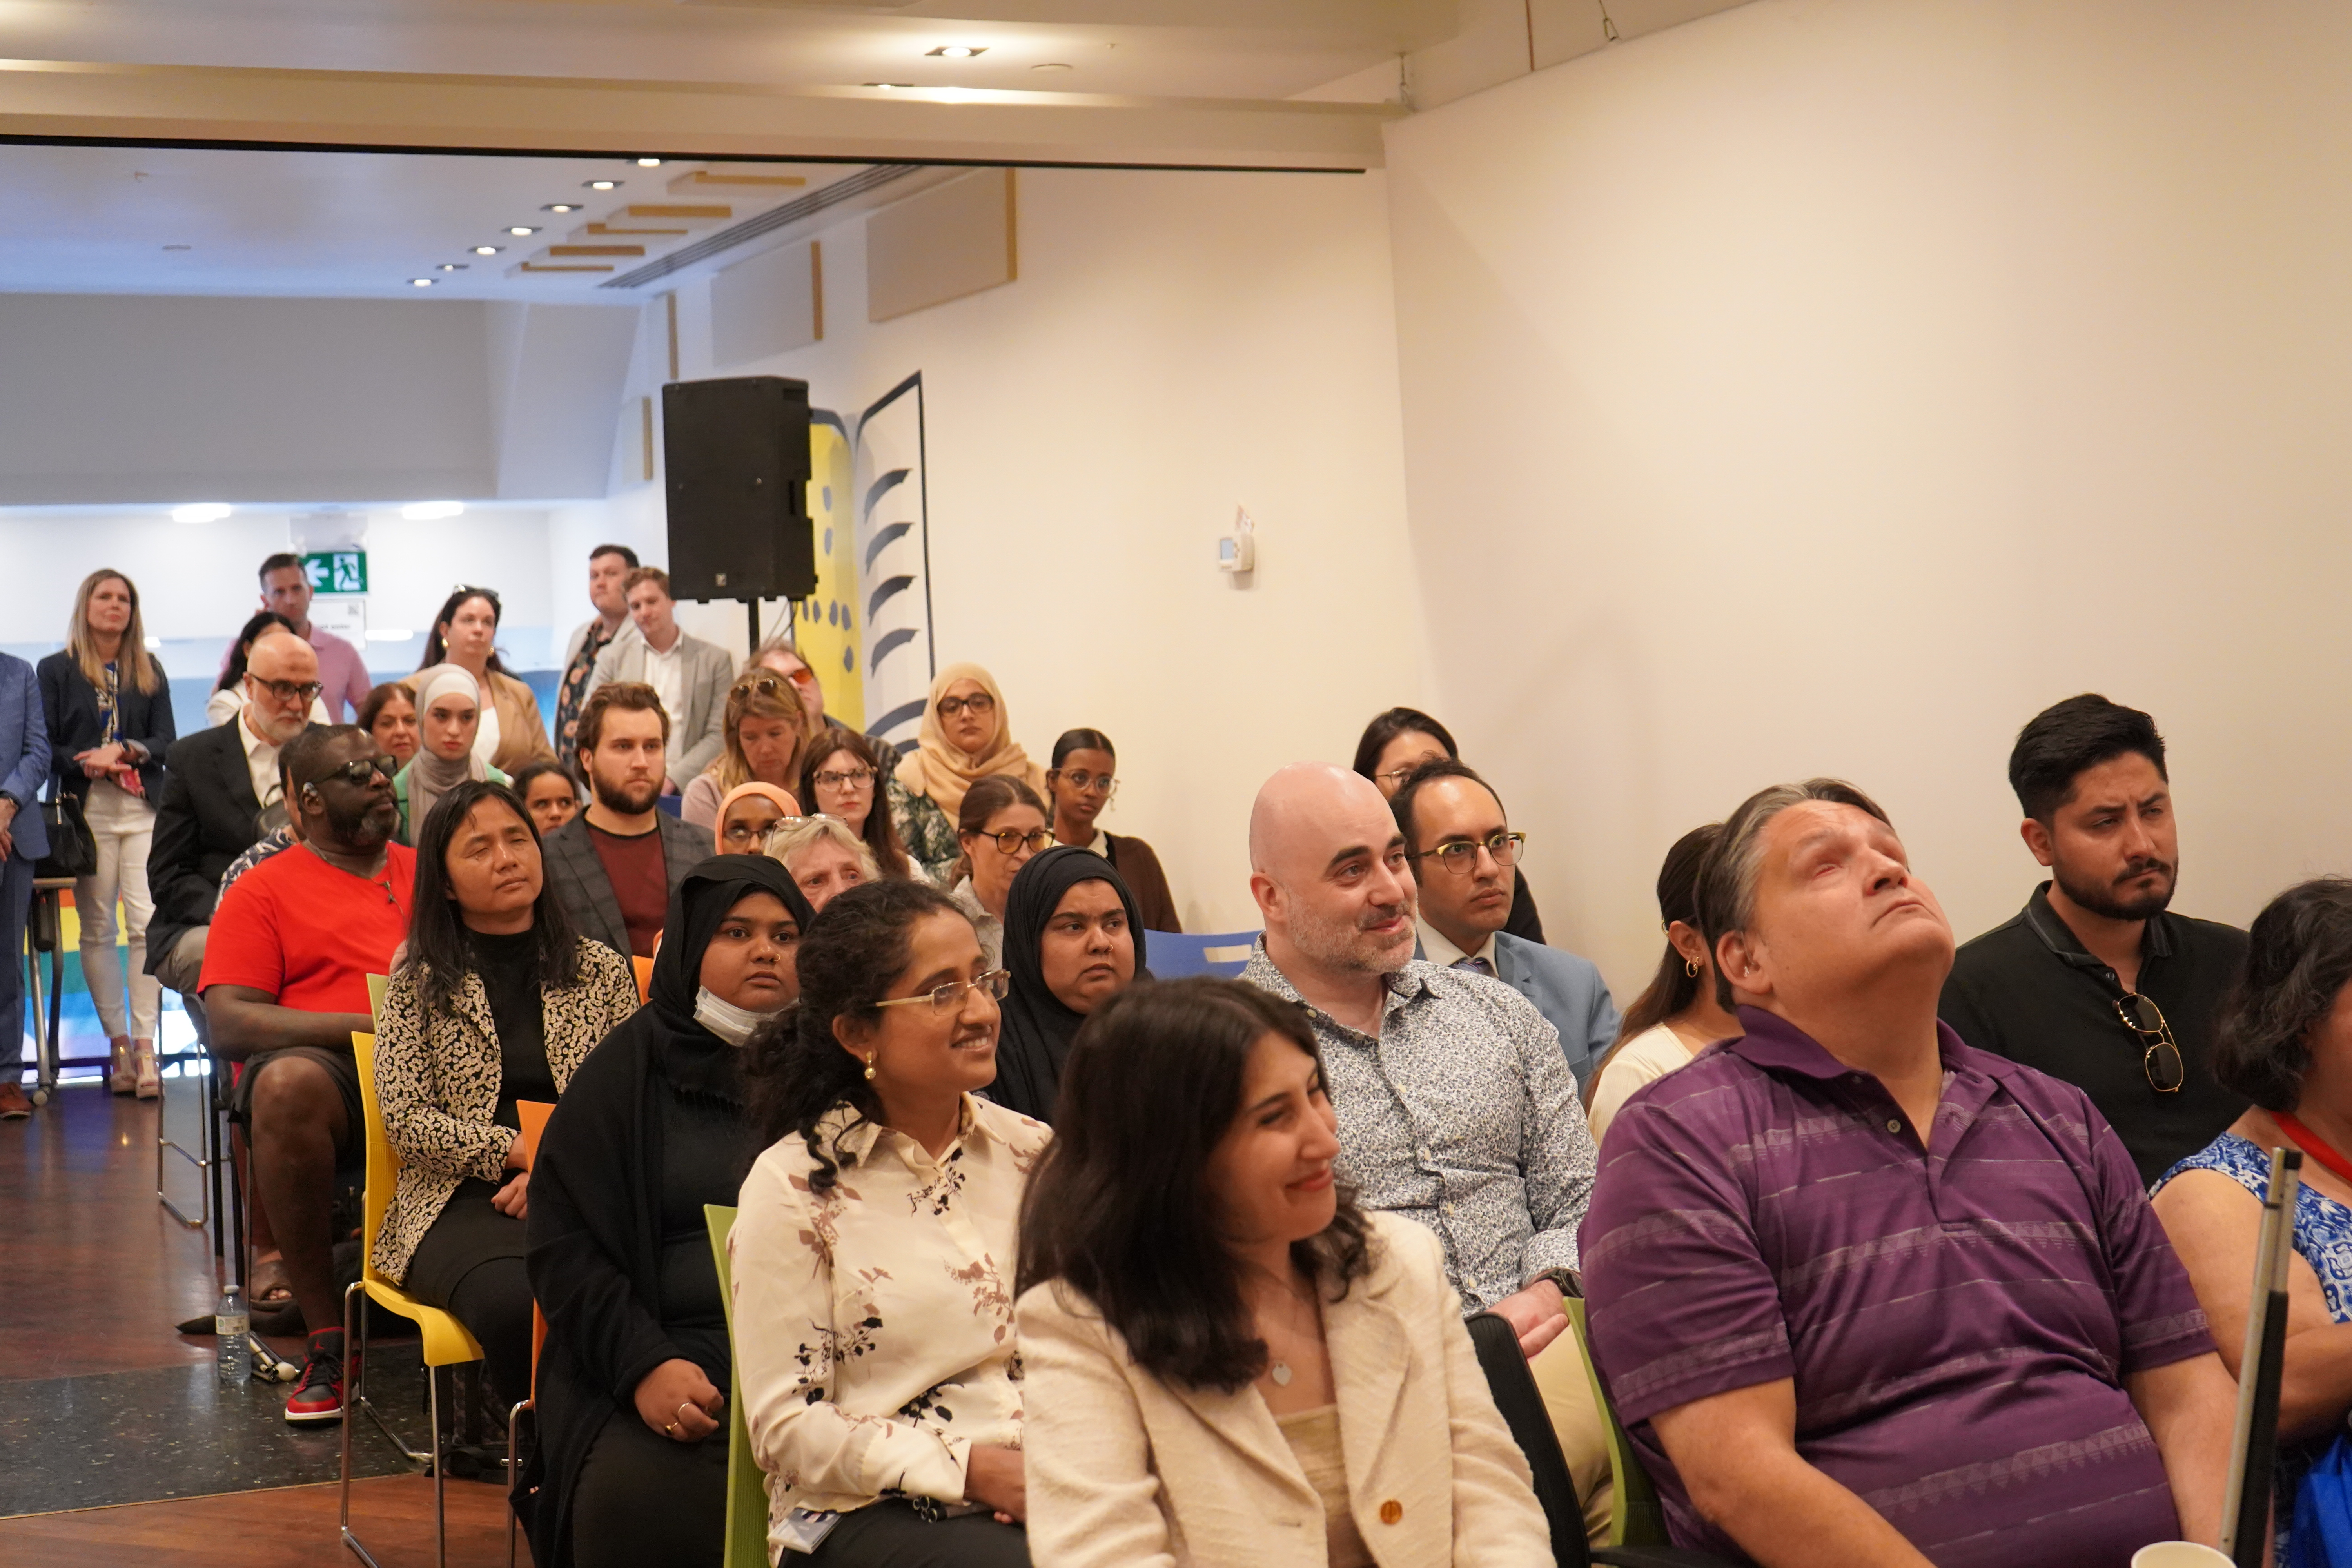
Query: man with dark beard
[[616, 865], [2097, 982], [285, 983]]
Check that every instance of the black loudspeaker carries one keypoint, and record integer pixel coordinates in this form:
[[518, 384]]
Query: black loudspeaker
[[737, 452]]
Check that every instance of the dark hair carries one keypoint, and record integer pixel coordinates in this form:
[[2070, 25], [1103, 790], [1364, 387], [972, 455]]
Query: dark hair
[[254, 626], [436, 647], [1400, 803], [848, 958], [985, 798], [279, 562], [623, 551], [1083, 740], [381, 698], [1119, 1206], [1388, 726], [301, 764], [2067, 739], [1728, 874], [630, 696], [2298, 958], [881, 834], [439, 953], [1674, 987], [531, 773]]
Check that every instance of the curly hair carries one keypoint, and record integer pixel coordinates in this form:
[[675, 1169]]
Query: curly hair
[[2298, 960]]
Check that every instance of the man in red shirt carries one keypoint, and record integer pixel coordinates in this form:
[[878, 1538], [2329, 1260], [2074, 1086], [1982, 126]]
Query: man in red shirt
[[285, 983]]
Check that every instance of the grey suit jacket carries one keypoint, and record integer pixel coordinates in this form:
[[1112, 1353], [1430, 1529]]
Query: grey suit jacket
[[1567, 989], [697, 734], [587, 893]]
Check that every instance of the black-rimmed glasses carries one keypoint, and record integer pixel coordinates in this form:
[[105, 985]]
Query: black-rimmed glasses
[[2160, 1059], [303, 691], [360, 771], [1461, 857], [1009, 842], [949, 997], [851, 778], [980, 703]]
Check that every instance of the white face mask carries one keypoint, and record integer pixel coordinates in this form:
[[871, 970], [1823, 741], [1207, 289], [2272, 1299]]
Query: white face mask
[[731, 1024]]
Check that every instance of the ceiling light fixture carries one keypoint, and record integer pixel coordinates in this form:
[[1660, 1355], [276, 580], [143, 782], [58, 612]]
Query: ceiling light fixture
[[420, 283], [521, 230], [201, 511], [1053, 66], [561, 207], [649, 163], [432, 511], [179, 248], [603, 184], [488, 249], [957, 51], [452, 267], [886, 86]]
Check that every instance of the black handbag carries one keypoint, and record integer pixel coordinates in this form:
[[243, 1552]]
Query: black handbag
[[72, 851]]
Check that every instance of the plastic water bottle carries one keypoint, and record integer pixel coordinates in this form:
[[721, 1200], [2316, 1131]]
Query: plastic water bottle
[[229, 1323]]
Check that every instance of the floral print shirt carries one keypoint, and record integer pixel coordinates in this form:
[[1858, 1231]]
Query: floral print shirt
[[873, 1336]]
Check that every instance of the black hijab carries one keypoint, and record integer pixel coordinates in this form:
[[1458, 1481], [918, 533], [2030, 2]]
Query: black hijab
[[686, 1053], [1036, 1036]]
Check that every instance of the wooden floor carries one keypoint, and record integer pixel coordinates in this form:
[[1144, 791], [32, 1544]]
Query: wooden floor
[[99, 1396]]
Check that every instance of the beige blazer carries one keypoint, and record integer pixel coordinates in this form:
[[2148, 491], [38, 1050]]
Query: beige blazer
[[1125, 1469]]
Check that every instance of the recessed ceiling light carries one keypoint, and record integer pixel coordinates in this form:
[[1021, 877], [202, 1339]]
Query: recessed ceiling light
[[886, 86], [488, 250], [451, 267], [957, 51], [179, 248], [200, 511], [432, 511], [519, 230], [420, 283], [603, 184], [561, 207], [1053, 66], [649, 163]]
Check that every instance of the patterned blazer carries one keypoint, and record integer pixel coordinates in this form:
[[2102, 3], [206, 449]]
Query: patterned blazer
[[438, 1081]]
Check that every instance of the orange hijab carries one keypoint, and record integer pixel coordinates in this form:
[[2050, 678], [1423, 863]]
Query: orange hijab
[[937, 767], [784, 803]]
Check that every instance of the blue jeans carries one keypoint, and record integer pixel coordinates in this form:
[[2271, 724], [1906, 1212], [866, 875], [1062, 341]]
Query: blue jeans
[[16, 901]]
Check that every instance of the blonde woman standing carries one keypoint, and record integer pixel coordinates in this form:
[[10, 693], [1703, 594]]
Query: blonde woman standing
[[763, 729], [110, 718]]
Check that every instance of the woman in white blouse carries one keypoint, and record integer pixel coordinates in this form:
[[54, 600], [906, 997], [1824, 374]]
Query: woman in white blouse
[[874, 1250], [1679, 1014]]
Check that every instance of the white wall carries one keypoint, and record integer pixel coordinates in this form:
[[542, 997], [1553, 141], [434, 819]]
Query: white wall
[[1176, 345], [1829, 385]]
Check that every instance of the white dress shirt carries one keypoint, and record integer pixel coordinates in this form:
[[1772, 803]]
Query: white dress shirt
[[1440, 950], [260, 762], [666, 673]]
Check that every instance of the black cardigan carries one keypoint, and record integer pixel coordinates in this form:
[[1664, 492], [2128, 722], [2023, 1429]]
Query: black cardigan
[[72, 704]]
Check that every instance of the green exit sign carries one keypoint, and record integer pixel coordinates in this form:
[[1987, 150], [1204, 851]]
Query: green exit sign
[[337, 570]]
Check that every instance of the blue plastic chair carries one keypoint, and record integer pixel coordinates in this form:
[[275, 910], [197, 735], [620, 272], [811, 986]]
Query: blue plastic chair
[[1171, 955]]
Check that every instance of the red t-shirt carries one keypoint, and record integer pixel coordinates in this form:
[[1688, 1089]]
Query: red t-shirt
[[309, 933], [639, 871]]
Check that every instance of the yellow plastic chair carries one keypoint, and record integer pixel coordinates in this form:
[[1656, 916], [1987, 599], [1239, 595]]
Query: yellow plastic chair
[[747, 1489], [1634, 1518], [447, 1342], [530, 1121]]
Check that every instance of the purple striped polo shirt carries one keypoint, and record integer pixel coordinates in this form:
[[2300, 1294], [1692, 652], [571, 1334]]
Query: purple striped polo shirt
[[1958, 1323]]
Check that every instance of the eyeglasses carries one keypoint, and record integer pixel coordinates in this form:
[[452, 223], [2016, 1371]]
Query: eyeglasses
[[2161, 1059], [1461, 857], [739, 831], [303, 691], [360, 771], [949, 997], [980, 703], [855, 778], [1084, 783], [1011, 840], [1395, 778]]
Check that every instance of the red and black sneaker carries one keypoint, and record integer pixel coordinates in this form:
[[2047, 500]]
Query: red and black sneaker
[[319, 1393]]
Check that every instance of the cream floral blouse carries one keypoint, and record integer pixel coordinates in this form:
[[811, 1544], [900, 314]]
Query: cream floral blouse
[[874, 1322]]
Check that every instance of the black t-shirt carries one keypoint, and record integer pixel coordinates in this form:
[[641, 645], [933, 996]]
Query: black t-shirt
[[2029, 990]]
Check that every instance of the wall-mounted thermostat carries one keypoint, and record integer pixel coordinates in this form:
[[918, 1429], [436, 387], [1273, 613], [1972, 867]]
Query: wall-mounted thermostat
[[1237, 552]]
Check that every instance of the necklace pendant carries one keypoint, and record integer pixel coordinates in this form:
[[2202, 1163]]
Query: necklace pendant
[[1280, 1373]]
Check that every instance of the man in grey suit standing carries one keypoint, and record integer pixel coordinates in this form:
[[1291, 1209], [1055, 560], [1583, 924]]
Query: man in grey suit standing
[[1462, 852], [688, 675], [24, 768], [615, 866]]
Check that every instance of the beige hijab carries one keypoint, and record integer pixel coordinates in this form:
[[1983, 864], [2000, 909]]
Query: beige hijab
[[939, 768]]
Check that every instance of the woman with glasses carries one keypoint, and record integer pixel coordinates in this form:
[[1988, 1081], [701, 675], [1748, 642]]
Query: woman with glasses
[[764, 730], [2284, 1040], [227, 700], [493, 1002], [747, 814], [966, 736], [825, 858], [1679, 1015], [1079, 785], [549, 792], [873, 1254], [841, 772], [631, 1466], [109, 705], [389, 716], [1001, 824], [449, 717], [1073, 939], [466, 633], [1399, 740]]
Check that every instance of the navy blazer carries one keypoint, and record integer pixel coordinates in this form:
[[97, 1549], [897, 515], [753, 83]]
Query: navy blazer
[[586, 893], [24, 759], [143, 718], [1567, 989]]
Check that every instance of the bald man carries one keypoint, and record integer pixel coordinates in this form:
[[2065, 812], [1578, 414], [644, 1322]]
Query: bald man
[[1456, 1108]]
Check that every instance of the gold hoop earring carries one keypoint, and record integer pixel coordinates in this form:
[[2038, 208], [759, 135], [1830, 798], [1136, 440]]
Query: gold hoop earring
[[870, 1070], [1690, 967]]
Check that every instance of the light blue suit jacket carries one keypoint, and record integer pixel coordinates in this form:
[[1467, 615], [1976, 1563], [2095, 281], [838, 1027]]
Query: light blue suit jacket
[[1567, 989], [23, 754]]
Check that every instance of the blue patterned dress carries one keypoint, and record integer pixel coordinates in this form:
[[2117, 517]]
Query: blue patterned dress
[[2323, 1237]]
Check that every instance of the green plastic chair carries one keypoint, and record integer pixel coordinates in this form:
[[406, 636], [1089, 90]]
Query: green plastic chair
[[1635, 1518], [747, 1489]]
